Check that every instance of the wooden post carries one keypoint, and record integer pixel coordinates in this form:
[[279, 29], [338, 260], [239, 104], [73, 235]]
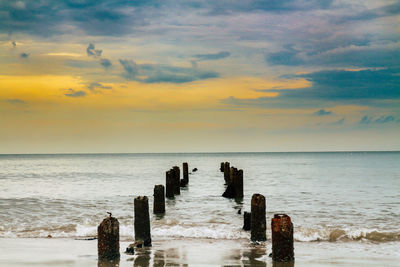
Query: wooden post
[[159, 199], [238, 183], [227, 170], [222, 167], [230, 189], [258, 221], [108, 239], [247, 221], [169, 184], [282, 238], [142, 220], [185, 174], [177, 180]]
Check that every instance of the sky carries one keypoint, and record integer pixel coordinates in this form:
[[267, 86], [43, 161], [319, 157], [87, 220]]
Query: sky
[[119, 76]]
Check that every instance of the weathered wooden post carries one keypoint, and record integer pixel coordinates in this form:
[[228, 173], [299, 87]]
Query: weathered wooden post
[[258, 221], [142, 220], [185, 174], [108, 239], [159, 199], [169, 184], [282, 238], [227, 170], [177, 180], [238, 183], [247, 221], [222, 167], [230, 189]]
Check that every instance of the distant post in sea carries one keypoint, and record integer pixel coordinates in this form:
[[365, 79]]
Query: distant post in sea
[[227, 170], [185, 174], [282, 238], [169, 184], [159, 199], [258, 221], [177, 180], [108, 239], [142, 220]]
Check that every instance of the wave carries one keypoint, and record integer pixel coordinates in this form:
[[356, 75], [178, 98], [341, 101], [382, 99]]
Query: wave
[[209, 231]]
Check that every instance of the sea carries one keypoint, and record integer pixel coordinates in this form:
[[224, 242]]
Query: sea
[[340, 198]]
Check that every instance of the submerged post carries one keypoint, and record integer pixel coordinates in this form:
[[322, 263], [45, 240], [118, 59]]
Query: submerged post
[[282, 238], [247, 221], [108, 239], [177, 180], [258, 221], [159, 199], [169, 184], [142, 220], [185, 174]]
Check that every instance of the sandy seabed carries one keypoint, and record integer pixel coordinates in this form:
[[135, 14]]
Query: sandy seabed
[[193, 252]]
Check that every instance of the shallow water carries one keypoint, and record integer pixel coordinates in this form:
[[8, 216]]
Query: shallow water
[[335, 197]]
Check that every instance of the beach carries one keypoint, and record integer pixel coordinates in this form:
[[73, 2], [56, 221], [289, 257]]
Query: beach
[[344, 207]]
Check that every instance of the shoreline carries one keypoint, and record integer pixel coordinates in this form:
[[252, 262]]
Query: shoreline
[[194, 252]]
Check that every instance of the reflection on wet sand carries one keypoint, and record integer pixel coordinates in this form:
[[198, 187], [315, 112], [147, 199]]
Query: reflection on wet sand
[[180, 253]]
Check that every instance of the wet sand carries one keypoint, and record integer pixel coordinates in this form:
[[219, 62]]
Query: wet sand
[[193, 252]]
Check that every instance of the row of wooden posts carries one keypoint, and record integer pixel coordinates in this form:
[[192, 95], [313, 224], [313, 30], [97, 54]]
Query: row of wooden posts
[[255, 221], [281, 225]]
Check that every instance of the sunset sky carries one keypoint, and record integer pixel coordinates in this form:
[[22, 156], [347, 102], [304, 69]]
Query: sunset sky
[[194, 75]]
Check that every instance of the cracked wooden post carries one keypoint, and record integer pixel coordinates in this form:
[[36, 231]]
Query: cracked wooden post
[[108, 239], [222, 167], [247, 221], [142, 220], [185, 177], [282, 238], [169, 184], [227, 170], [159, 199], [258, 221], [238, 183], [177, 180]]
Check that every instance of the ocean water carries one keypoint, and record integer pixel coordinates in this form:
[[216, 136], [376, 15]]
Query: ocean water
[[331, 197]]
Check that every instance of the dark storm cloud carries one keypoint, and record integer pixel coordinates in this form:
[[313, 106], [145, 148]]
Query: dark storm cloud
[[73, 93], [151, 73], [322, 112], [215, 56], [106, 63], [365, 87]]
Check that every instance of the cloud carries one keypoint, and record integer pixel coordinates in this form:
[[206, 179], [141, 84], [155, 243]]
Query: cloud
[[95, 85], [339, 122], [152, 73], [24, 55], [383, 119], [287, 57], [15, 101], [73, 93], [322, 112], [92, 52], [130, 67], [14, 44], [106, 63], [215, 56]]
